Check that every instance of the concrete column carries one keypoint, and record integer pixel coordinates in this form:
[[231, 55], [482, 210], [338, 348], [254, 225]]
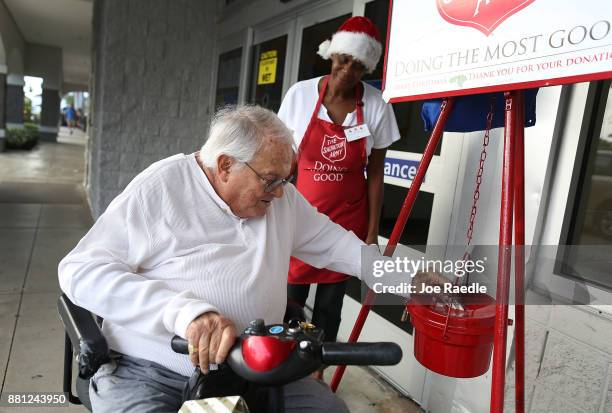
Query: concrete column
[[49, 115], [2, 110], [14, 101], [151, 87], [46, 62]]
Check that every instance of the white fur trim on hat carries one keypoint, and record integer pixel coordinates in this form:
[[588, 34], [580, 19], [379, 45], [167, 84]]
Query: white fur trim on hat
[[359, 45], [323, 47]]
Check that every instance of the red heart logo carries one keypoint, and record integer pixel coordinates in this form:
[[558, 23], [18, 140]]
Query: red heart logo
[[484, 15]]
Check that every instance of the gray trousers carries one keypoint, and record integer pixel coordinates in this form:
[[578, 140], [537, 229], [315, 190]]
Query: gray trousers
[[130, 384]]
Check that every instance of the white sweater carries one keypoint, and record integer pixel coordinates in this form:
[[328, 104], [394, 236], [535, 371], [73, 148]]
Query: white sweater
[[169, 248]]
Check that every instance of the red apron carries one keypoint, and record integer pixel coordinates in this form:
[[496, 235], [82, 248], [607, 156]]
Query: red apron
[[331, 177]]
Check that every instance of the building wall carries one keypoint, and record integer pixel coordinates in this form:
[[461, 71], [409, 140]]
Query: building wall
[[50, 114], [3, 66], [2, 110], [2, 99], [14, 101], [231, 17], [12, 50], [568, 360], [151, 82], [11, 36], [46, 62]]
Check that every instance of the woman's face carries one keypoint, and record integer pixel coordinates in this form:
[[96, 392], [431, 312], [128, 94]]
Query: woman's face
[[346, 71]]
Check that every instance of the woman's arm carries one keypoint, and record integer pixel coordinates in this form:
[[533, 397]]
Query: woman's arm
[[375, 182]]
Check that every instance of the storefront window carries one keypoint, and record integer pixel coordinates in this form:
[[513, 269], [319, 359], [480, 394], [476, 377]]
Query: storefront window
[[590, 217], [377, 12], [408, 114], [414, 139], [268, 73], [228, 77], [417, 227], [311, 64]]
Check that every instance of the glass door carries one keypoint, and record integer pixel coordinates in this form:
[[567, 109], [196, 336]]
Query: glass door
[[228, 78], [589, 217], [578, 271], [310, 63], [312, 28], [231, 69], [269, 64], [268, 72]]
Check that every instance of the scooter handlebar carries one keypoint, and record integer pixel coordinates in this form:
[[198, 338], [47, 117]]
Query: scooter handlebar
[[278, 354], [354, 354], [179, 345], [361, 354]]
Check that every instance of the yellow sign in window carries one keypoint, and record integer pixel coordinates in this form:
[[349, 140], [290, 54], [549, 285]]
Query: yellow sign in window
[[267, 67]]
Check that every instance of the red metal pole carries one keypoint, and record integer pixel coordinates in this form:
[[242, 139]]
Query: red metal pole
[[505, 256], [519, 263], [400, 223], [415, 186]]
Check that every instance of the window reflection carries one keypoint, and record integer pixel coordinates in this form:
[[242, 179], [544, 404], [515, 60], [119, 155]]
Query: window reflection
[[228, 78], [268, 73], [311, 64], [591, 226], [597, 184]]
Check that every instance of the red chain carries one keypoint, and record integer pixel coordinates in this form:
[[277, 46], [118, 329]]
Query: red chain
[[476, 196]]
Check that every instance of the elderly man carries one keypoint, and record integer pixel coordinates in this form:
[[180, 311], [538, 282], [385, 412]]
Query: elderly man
[[198, 245]]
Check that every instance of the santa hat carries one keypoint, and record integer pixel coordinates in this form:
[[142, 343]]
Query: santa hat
[[357, 37]]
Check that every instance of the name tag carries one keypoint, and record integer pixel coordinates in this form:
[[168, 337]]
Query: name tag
[[356, 132]]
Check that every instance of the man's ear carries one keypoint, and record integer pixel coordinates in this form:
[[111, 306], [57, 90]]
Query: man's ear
[[224, 165]]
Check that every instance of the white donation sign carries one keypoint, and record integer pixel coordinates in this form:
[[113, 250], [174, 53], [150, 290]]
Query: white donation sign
[[438, 48]]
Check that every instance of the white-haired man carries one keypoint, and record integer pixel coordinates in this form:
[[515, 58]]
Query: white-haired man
[[198, 245]]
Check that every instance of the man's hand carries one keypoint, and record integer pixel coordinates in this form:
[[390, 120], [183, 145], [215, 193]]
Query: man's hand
[[430, 278], [210, 338]]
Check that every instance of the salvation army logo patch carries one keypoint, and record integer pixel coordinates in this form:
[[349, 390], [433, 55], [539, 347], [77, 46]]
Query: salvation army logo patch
[[333, 148], [484, 15]]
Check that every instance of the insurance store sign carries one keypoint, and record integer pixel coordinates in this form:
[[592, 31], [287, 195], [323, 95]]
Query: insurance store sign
[[441, 48], [404, 169]]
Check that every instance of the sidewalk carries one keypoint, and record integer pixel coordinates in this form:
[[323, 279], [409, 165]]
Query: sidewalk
[[43, 214]]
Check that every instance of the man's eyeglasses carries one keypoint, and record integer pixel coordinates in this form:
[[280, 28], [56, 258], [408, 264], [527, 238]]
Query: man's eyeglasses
[[270, 185]]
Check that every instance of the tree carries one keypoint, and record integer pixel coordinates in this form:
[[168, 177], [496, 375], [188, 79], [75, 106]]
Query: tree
[[69, 98], [27, 109]]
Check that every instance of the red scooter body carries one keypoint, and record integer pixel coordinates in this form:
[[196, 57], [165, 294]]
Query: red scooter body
[[264, 353]]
